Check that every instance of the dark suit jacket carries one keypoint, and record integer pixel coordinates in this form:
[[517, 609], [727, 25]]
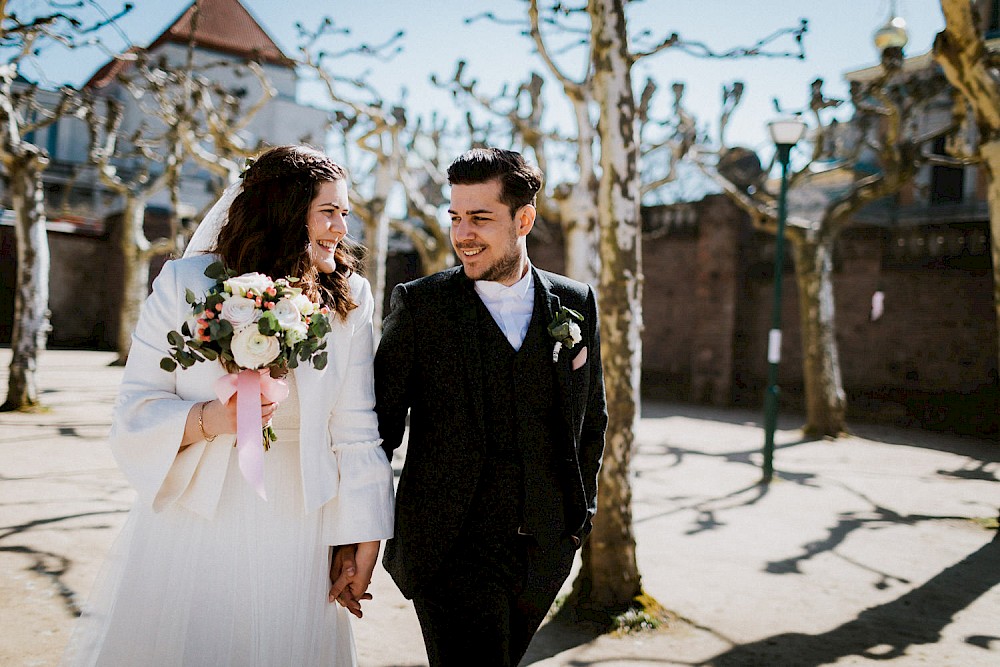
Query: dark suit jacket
[[427, 364]]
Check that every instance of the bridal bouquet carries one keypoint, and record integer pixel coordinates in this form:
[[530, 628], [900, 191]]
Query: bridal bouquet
[[250, 322], [258, 328]]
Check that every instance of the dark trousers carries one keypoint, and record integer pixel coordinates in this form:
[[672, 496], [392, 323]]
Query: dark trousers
[[485, 612]]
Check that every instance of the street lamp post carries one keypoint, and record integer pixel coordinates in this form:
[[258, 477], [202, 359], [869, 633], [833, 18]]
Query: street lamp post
[[785, 133]]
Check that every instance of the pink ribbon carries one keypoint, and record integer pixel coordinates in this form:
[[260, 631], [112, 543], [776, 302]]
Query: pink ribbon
[[249, 386]]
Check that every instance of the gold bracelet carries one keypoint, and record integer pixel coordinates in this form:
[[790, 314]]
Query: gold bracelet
[[201, 424]]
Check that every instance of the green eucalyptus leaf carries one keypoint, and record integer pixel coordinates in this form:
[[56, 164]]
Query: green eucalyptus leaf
[[221, 329], [217, 271], [319, 361], [175, 339], [168, 364]]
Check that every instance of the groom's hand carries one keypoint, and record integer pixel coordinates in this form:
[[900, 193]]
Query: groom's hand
[[343, 569]]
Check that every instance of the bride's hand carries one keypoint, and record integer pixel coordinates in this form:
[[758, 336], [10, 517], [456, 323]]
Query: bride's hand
[[342, 570], [221, 417]]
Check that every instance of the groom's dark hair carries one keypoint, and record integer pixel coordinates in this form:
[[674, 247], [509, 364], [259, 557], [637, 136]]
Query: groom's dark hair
[[519, 181]]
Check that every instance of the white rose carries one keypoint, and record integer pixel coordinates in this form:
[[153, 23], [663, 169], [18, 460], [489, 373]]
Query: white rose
[[286, 312], [304, 305], [296, 333], [575, 334], [240, 285], [240, 311], [252, 349]]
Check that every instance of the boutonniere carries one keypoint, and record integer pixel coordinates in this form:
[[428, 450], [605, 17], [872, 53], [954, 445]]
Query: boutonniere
[[565, 331]]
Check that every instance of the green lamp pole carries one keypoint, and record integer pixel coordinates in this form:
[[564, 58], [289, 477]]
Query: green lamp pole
[[785, 133]]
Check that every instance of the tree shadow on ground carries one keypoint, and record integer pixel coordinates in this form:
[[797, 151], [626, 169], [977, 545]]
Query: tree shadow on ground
[[50, 565], [886, 631], [562, 632]]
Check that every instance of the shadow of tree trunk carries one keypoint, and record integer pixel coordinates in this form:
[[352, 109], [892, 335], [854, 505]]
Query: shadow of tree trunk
[[561, 633], [886, 631]]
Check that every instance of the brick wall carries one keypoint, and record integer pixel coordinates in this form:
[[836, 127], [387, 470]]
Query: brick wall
[[930, 359]]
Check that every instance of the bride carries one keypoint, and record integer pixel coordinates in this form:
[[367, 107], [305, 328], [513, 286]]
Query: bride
[[205, 572]]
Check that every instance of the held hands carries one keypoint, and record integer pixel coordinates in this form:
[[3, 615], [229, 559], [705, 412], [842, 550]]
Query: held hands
[[351, 573]]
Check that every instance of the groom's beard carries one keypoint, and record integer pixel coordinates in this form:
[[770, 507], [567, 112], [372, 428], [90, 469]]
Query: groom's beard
[[504, 268]]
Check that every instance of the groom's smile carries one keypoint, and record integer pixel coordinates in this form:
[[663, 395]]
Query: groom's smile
[[486, 237]]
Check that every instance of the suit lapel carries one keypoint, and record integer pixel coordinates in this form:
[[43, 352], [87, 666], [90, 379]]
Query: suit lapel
[[563, 375]]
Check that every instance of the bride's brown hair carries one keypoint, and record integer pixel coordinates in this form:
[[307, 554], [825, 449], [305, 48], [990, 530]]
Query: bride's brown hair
[[267, 231]]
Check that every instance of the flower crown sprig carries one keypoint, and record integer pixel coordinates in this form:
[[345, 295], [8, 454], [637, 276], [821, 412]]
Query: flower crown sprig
[[565, 331], [246, 167]]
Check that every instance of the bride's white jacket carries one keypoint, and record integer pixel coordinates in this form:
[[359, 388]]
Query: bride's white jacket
[[341, 461]]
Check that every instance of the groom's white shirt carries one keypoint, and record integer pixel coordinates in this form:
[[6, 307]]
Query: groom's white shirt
[[338, 430], [510, 306]]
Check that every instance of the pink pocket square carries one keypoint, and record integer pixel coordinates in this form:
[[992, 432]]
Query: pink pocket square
[[580, 359]]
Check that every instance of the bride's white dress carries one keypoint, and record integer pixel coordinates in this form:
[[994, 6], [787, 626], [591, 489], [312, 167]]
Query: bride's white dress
[[248, 587], [205, 572]]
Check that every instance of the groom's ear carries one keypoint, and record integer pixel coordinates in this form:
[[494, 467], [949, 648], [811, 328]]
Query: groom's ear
[[525, 218]]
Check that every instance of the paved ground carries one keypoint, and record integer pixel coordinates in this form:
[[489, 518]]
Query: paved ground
[[865, 551]]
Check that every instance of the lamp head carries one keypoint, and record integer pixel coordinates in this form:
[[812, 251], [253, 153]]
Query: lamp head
[[787, 131]]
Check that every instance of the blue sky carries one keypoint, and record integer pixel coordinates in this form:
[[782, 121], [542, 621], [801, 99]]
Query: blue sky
[[839, 40]]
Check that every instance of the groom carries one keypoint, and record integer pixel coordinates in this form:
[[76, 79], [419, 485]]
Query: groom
[[499, 366]]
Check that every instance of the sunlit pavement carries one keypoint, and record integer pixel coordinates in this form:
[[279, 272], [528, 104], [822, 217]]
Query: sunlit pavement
[[865, 550]]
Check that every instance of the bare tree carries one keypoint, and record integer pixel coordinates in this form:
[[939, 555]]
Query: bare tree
[[882, 130], [392, 159], [191, 116], [974, 71], [21, 112]]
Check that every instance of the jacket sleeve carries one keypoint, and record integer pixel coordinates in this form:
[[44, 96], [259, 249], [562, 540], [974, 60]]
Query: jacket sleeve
[[149, 416], [595, 420], [364, 508], [393, 371]]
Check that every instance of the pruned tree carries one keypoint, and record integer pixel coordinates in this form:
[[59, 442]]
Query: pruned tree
[[423, 179], [217, 142], [823, 202], [188, 115], [974, 70], [22, 112], [135, 186], [378, 134], [391, 159]]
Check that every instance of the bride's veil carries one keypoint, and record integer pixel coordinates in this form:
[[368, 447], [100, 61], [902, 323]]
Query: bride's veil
[[207, 233]]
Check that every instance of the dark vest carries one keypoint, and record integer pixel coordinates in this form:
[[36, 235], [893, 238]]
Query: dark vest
[[520, 487]]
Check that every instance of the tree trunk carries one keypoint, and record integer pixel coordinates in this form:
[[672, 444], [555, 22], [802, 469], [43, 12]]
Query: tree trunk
[[578, 212], [31, 300], [609, 581], [969, 66], [580, 237], [824, 391], [990, 155], [377, 238], [438, 260], [133, 248]]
